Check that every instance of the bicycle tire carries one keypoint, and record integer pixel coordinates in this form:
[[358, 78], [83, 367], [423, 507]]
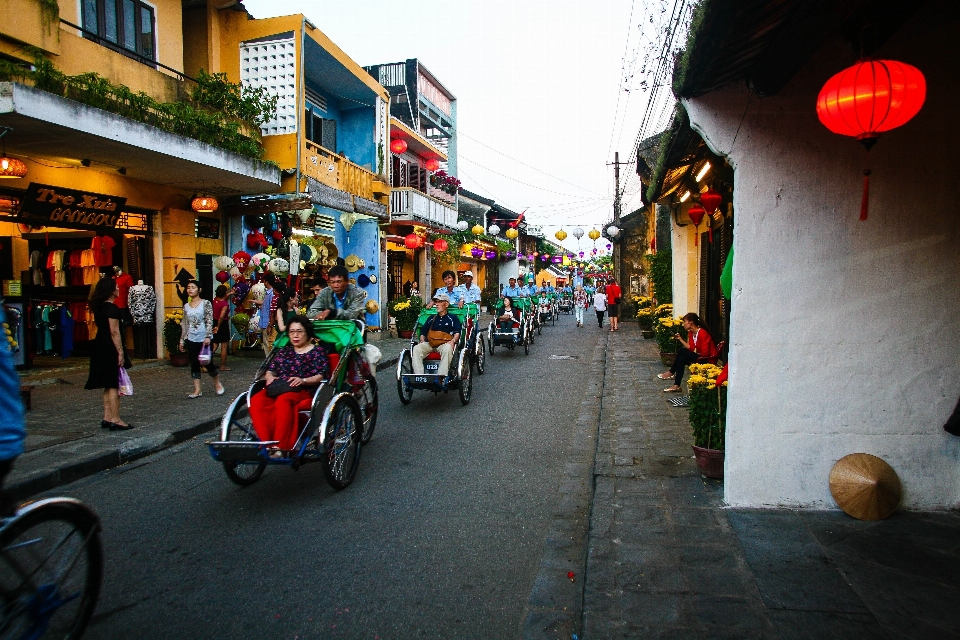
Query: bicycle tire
[[341, 446], [33, 535]]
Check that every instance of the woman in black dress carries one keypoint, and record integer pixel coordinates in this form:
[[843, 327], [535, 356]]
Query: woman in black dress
[[108, 355]]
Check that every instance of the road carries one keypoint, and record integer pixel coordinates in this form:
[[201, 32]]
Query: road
[[440, 536]]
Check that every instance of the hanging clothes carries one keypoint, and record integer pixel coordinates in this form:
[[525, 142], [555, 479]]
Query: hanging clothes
[[66, 332], [88, 262], [142, 300], [103, 250], [36, 268]]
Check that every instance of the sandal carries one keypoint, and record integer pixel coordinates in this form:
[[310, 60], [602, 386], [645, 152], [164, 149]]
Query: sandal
[[193, 396], [664, 376], [672, 390]]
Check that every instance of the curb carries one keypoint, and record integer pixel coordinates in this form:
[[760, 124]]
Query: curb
[[126, 452]]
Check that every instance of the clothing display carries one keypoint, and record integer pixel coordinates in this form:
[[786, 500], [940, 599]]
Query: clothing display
[[124, 282], [36, 268], [142, 300], [88, 263], [103, 250]]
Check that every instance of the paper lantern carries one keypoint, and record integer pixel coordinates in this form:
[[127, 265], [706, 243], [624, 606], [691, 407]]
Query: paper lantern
[[711, 199], [578, 233], [476, 252], [493, 229], [241, 259], [593, 235], [511, 233], [556, 259], [259, 261], [613, 231], [463, 225], [560, 235], [867, 99], [477, 230], [696, 213], [12, 168], [258, 292], [432, 164], [222, 276], [279, 266], [204, 204], [235, 273], [412, 241], [581, 254], [440, 245], [490, 255], [398, 146], [510, 254], [223, 263]]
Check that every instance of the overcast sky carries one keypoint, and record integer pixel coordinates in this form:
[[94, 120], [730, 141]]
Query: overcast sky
[[535, 80]]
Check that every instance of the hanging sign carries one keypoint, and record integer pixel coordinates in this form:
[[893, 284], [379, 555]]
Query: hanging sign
[[208, 228], [59, 207]]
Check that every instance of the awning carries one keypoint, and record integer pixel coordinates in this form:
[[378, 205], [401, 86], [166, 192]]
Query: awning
[[270, 203]]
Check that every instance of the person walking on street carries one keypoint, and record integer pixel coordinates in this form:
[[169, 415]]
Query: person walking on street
[[600, 304], [196, 332], [107, 355], [221, 320], [579, 304], [267, 330], [613, 303]]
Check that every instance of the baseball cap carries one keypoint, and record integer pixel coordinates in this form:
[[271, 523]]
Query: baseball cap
[[468, 274], [441, 297]]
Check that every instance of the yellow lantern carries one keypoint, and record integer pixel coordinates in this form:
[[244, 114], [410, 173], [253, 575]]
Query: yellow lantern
[[477, 230], [594, 234], [560, 235], [511, 233]]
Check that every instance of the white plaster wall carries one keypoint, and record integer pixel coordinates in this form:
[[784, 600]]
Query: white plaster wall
[[685, 273], [844, 333]]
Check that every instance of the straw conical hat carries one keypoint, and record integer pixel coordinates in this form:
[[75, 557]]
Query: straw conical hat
[[865, 486]]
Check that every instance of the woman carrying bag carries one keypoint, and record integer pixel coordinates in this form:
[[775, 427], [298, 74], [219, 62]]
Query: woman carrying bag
[[107, 356], [196, 334]]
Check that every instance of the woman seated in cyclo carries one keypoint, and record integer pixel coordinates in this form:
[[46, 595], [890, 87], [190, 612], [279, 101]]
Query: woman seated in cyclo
[[439, 333], [294, 374], [699, 347], [510, 315]]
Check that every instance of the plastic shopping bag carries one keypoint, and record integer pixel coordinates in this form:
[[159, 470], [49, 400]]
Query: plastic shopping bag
[[126, 386], [206, 355]]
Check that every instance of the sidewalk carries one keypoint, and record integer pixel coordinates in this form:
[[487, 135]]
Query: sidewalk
[[64, 438], [665, 559]]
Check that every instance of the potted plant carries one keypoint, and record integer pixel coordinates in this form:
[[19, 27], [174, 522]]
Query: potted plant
[[666, 328], [171, 338], [708, 411], [405, 311], [645, 315]]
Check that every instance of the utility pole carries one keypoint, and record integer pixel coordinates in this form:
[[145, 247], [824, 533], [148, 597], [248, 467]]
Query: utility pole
[[616, 254]]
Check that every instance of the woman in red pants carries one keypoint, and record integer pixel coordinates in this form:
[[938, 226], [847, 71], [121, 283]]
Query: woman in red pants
[[294, 374]]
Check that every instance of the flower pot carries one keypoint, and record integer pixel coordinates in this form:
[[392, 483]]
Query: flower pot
[[667, 358], [710, 462], [647, 333], [405, 334], [178, 359]]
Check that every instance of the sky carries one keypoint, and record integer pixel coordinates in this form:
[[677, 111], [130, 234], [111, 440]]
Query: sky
[[539, 86]]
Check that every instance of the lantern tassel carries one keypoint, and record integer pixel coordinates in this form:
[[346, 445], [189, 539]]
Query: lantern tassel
[[865, 201], [696, 235]]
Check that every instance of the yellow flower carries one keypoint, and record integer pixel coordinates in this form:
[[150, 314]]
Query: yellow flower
[[697, 380]]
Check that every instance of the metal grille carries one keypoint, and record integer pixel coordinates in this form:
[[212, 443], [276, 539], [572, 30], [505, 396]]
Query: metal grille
[[324, 224], [393, 75], [316, 99]]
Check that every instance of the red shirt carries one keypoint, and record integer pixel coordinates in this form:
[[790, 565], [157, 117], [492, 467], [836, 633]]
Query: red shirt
[[613, 292], [124, 282], [103, 248], [701, 343]]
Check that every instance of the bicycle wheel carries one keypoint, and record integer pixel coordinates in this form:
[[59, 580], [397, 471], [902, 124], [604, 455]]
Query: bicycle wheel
[[240, 429], [481, 355], [406, 367], [51, 569], [368, 397], [341, 445]]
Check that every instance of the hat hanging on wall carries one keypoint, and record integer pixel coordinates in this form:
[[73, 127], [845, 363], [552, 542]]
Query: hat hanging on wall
[[373, 279], [363, 280], [351, 262]]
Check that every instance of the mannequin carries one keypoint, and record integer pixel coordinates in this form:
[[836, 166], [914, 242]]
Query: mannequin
[[124, 282], [142, 300]]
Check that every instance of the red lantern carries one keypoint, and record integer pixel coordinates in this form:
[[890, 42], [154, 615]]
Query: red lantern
[[696, 213], [440, 245], [867, 99], [412, 241], [398, 146], [711, 200], [432, 164]]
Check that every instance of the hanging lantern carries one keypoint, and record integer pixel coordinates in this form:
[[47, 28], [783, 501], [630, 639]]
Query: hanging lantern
[[511, 233], [867, 99], [613, 231], [711, 199], [412, 241], [544, 258], [477, 230], [490, 255], [593, 235], [204, 204], [581, 254], [476, 252], [348, 219], [609, 246], [463, 225], [510, 254], [556, 259], [440, 245], [12, 168], [536, 253], [578, 233], [493, 229], [398, 146], [560, 235], [432, 164], [696, 213]]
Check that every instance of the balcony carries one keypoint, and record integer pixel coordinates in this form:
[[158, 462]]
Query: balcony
[[407, 203], [368, 192]]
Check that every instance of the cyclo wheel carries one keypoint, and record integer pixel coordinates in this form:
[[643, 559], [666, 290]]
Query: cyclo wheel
[[481, 357], [466, 382], [526, 347], [341, 444], [406, 367], [51, 569], [240, 429], [368, 397]]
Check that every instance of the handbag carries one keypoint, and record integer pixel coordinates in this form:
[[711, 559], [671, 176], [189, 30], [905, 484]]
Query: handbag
[[125, 387], [206, 355], [278, 387], [437, 338]]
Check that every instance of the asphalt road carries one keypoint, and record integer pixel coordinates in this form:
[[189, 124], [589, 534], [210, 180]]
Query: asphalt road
[[440, 535]]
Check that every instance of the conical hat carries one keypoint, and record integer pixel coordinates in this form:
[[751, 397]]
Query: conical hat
[[865, 486]]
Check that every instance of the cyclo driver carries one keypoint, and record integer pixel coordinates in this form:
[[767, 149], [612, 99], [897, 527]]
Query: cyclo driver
[[439, 333]]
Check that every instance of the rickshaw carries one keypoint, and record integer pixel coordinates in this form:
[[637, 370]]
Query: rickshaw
[[476, 346], [547, 309], [520, 334], [460, 375], [566, 303], [341, 417]]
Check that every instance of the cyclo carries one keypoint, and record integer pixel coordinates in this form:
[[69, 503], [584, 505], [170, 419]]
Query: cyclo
[[547, 309], [470, 350], [520, 333], [341, 417]]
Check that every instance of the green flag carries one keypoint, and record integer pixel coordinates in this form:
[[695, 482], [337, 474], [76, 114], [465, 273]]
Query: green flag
[[726, 276]]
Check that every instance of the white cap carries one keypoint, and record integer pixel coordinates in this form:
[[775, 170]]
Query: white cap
[[468, 274]]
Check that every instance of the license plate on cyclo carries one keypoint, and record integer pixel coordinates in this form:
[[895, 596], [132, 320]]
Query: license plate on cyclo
[[432, 368]]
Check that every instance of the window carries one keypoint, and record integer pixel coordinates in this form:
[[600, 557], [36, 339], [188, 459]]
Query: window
[[320, 130], [127, 26]]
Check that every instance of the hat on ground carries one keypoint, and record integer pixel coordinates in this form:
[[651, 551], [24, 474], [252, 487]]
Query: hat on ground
[[865, 486], [441, 297], [468, 274]]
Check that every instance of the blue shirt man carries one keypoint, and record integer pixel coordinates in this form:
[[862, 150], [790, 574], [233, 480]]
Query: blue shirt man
[[512, 290], [451, 290], [468, 291]]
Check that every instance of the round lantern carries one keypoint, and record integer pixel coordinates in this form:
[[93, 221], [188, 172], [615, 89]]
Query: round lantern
[[476, 252], [398, 146], [510, 254], [593, 235], [440, 245], [432, 164], [696, 213], [236, 274], [711, 199], [279, 266], [477, 230], [511, 233], [260, 261], [412, 241], [258, 292], [544, 258], [12, 168], [556, 259], [490, 255], [241, 259], [493, 229], [222, 276], [204, 204], [581, 254], [463, 225], [613, 231], [223, 263], [867, 99], [560, 235]]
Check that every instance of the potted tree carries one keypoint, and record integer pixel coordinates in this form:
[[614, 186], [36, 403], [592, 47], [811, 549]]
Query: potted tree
[[708, 413], [405, 311], [171, 338]]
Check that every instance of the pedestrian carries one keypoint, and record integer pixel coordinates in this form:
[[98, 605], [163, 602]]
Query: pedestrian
[[196, 332], [286, 308], [221, 319], [268, 331], [107, 354], [600, 304], [699, 346], [579, 304], [13, 428], [414, 290], [613, 303]]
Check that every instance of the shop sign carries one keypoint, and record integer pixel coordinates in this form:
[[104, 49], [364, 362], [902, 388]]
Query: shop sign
[[208, 228], [59, 207]]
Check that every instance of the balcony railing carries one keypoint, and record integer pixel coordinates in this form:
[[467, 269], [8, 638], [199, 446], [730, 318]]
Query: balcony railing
[[335, 171], [408, 202]]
